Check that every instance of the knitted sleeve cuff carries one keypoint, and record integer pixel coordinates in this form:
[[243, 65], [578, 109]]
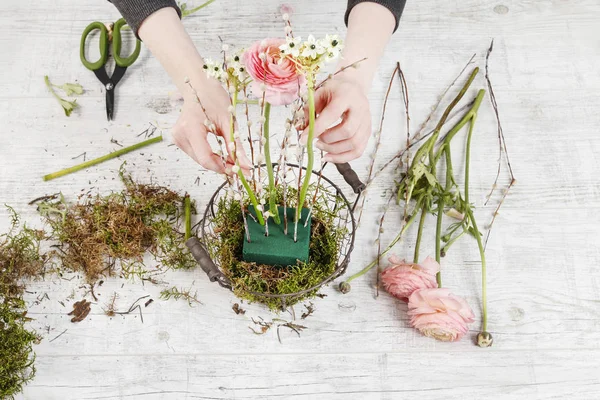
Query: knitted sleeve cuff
[[395, 6], [136, 11]]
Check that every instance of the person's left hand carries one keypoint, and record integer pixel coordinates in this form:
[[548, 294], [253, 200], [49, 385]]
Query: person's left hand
[[341, 98]]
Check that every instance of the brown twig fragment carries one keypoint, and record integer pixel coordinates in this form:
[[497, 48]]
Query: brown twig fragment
[[501, 145]]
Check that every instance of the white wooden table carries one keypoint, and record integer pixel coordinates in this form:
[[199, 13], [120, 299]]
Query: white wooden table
[[543, 254]]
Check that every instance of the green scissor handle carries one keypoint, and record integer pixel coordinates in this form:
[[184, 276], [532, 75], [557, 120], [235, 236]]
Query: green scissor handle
[[92, 66], [123, 62]]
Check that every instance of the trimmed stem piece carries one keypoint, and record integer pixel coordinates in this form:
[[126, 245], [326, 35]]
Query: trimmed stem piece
[[99, 160], [187, 207]]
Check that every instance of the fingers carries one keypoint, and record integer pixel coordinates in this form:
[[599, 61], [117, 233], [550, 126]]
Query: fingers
[[238, 150], [195, 144], [347, 129], [328, 116], [348, 149]]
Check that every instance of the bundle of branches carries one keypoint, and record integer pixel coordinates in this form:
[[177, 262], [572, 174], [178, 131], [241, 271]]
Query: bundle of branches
[[98, 232], [425, 191], [20, 259]]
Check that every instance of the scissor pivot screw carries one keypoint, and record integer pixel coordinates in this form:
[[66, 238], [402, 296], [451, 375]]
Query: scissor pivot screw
[[109, 86]]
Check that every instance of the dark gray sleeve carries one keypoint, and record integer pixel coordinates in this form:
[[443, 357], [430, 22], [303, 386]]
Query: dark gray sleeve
[[395, 6], [136, 11]]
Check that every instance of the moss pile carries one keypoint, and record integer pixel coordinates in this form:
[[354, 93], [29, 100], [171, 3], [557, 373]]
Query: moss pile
[[20, 259], [99, 231]]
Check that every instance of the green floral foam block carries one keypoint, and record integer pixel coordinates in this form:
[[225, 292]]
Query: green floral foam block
[[277, 248]]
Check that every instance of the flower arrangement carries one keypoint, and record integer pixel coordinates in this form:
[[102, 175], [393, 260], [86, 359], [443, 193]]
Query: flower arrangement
[[280, 205]]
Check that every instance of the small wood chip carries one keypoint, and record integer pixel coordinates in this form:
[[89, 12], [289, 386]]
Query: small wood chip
[[81, 309]]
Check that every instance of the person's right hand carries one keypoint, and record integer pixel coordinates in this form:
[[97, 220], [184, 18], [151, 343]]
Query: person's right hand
[[190, 133]]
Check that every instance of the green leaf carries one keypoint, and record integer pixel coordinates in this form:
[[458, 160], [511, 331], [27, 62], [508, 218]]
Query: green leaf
[[72, 88], [68, 106], [430, 178]]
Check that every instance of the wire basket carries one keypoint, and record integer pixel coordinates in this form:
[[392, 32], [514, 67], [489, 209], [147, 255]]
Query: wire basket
[[330, 196]]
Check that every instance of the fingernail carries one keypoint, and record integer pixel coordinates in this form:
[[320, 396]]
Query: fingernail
[[303, 139], [327, 158], [319, 145]]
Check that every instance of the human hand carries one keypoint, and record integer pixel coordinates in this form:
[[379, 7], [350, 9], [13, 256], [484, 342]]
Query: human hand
[[190, 133], [343, 97]]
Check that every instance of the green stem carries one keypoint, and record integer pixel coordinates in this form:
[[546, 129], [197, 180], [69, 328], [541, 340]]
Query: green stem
[[187, 207], [99, 160], [195, 9], [428, 147], [466, 118], [388, 248], [309, 143], [267, 150], [240, 173], [452, 241], [476, 232], [440, 216], [419, 234]]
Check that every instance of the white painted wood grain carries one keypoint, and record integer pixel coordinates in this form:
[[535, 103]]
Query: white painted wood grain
[[543, 255]]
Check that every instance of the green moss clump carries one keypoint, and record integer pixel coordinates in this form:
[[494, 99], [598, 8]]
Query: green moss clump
[[225, 247], [20, 259], [122, 226]]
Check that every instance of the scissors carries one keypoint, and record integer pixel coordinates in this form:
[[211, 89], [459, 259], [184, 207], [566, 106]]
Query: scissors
[[108, 33]]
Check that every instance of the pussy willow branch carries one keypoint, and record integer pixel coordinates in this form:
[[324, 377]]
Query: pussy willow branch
[[417, 136], [422, 149], [379, 232], [339, 71], [441, 98], [501, 145], [248, 123], [378, 138]]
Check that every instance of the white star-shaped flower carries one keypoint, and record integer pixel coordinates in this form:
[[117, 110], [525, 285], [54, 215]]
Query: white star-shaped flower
[[333, 45], [292, 46], [312, 48]]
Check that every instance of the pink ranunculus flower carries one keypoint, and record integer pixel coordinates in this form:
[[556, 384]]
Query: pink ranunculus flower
[[401, 279], [439, 314], [280, 77]]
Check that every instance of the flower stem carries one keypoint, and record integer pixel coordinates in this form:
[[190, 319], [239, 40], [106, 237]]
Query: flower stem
[[451, 242], [387, 249], [187, 207], [191, 11], [471, 216], [267, 150], [240, 173], [419, 234], [99, 160], [440, 216], [309, 142], [466, 118]]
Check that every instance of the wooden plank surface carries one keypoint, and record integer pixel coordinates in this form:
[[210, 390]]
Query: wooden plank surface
[[543, 254]]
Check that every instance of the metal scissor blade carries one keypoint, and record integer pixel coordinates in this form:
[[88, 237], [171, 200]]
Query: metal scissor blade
[[110, 103]]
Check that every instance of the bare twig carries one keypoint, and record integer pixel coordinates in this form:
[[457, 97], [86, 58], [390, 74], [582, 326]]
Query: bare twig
[[353, 65], [378, 138], [417, 137], [59, 335], [501, 145]]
